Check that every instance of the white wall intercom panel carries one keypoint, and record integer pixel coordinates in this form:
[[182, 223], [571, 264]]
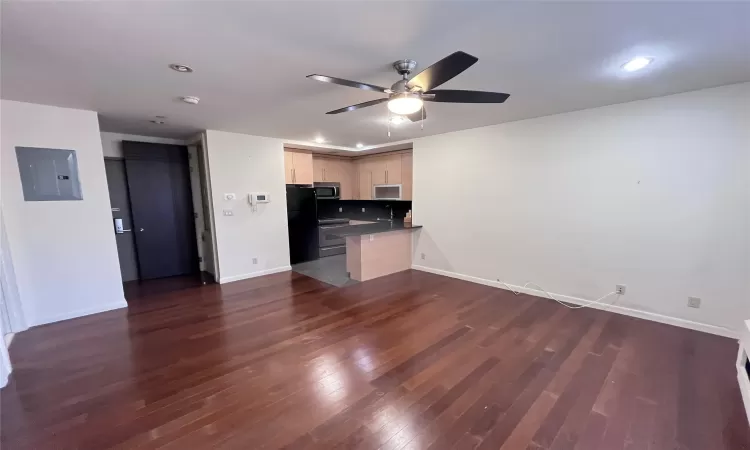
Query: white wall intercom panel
[[254, 198]]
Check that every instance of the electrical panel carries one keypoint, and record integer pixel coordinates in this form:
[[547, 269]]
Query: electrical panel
[[48, 174]]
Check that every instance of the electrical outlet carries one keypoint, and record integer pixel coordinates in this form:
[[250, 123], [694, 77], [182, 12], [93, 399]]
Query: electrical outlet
[[255, 260], [694, 302], [228, 212], [229, 196], [422, 255], [341, 209], [620, 289], [363, 209]]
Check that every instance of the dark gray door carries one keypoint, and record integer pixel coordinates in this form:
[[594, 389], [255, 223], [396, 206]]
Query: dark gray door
[[118, 198], [161, 202]]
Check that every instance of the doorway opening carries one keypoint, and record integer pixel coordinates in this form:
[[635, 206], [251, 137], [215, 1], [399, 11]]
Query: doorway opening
[[161, 215]]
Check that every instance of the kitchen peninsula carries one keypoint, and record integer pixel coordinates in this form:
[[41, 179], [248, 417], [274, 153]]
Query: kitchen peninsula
[[377, 249]]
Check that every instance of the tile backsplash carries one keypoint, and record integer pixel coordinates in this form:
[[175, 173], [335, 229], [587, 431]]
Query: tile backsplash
[[352, 209]]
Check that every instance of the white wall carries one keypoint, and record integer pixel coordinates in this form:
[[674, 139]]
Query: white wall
[[653, 194], [5, 366], [112, 142], [64, 253], [241, 164]]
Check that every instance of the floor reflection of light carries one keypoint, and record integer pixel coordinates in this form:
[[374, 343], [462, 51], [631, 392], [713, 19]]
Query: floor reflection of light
[[363, 360], [397, 429], [331, 383]]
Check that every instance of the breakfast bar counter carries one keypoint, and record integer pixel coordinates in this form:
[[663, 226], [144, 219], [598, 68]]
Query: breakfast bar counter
[[377, 249]]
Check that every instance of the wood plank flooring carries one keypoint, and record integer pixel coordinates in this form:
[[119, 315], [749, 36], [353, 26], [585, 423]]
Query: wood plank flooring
[[408, 361]]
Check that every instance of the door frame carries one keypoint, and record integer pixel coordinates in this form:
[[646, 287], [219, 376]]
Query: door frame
[[204, 180], [199, 142]]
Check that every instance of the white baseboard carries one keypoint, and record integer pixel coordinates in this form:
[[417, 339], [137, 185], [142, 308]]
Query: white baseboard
[[81, 312], [684, 323], [259, 273]]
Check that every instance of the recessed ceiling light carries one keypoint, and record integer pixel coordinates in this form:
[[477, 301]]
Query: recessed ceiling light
[[190, 99], [319, 139], [158, 121], [181, 68], [360, 145], [397, 120], [636, 63]]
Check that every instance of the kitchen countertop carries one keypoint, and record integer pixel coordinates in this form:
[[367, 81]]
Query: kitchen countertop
[[373, 228]]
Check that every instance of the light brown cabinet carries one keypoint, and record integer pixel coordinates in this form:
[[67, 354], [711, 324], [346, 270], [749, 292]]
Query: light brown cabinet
[[298, 166], [407, 177], [356, 176], [336, 170], [364, 174], [347, 177], [391, 168]]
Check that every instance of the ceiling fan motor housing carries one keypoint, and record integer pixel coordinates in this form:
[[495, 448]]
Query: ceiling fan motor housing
[[404, 66]]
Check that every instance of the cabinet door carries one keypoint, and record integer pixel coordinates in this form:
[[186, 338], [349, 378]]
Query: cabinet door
[[393, 168], [365, 180], [303, 168], [377, 169], [343, 171], [319, 165], [407, 177], [289, 167], [332, 170]]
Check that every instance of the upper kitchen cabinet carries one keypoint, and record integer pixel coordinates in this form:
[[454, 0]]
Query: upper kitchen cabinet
[[364, 177], [385, 169], [393, 168], [319, 169], [376, 165], [336, 170], [347, 177], [326, 169], [406, 176], [298, 166], [288, 166]]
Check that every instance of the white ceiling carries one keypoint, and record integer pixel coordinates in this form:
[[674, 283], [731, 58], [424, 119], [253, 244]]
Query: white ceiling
[[251, 59]]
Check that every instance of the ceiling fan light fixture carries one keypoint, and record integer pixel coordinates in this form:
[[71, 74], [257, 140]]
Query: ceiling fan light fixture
[[404, 104]]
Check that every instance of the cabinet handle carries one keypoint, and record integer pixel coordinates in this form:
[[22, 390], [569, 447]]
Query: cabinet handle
[[324, 175], [294, 176]]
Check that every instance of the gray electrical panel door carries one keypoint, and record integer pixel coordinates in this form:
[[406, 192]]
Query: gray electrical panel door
[[48, 174]]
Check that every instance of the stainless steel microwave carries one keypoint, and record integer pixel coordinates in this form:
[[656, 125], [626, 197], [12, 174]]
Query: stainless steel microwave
[[327, 190]]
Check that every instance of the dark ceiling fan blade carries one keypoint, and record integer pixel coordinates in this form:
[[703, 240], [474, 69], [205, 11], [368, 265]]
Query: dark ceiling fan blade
[[458, 96], [358, 106], [350, 83], [417, 116], [442, 71]]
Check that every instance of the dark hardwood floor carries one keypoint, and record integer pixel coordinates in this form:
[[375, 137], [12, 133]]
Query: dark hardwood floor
[[412, 360]]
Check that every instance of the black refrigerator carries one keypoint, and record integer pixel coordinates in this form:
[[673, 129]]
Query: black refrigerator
[[302, 217]]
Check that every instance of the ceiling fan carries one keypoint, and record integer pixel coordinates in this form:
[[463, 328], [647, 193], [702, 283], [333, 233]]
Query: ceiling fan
[[407, 96]]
